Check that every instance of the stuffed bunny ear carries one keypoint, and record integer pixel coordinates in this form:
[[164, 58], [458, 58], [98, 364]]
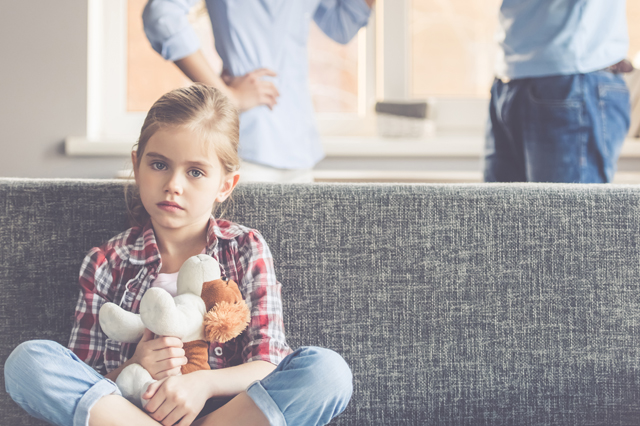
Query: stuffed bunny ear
[[226, 321], [196, 271]]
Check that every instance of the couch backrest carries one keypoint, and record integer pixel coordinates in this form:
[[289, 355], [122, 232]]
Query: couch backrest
[[453, 304]]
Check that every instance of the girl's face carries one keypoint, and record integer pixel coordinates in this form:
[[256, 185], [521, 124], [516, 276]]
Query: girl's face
[[180, 178]]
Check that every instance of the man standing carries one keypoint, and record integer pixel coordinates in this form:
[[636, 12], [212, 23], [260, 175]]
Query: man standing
[[263, 47], [559, 107]]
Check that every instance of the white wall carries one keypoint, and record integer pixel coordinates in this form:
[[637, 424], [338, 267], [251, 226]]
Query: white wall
[[43, 90]]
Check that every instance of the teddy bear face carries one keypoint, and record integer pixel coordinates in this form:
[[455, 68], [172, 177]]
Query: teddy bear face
[[227, 313], [220, 290]]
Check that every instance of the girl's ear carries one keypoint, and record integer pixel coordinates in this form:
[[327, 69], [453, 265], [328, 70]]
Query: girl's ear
[[228, 184], [134, 163]]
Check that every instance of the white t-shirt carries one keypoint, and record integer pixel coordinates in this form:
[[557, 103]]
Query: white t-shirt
[[168, 282]]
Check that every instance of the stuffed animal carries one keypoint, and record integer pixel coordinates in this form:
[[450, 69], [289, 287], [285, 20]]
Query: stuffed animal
[[207, 308]]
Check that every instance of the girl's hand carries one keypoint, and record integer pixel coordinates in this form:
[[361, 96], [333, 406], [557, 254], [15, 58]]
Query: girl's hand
[[250, 90], [176, 399], [161, 357]]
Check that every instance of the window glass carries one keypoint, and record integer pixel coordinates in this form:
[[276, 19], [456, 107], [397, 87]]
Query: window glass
[[333, 73], [453, 46]]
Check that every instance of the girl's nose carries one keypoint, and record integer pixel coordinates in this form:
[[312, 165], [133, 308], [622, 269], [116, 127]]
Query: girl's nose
[[174, 185]]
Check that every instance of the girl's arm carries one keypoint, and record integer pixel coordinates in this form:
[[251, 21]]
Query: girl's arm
[[224, 382], [264, 339], [233, 380], [87, 340], [181, 398]]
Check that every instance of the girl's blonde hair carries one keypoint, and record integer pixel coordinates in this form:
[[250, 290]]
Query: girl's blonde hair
[[204, 111]]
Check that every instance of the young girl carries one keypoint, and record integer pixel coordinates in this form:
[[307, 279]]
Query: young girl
[[186, 162]]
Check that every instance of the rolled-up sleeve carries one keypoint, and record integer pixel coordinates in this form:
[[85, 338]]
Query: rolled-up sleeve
[[264, 339], [341, 19], [167, 26]]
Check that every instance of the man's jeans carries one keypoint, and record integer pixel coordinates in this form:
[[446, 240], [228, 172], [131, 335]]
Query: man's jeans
[[567, 128], [309, 387]]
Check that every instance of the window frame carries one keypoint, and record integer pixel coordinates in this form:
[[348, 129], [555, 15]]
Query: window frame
[[394, 67], [107, 115]]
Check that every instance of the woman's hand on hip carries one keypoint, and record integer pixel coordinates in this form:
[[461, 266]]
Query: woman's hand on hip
[[250, 90]]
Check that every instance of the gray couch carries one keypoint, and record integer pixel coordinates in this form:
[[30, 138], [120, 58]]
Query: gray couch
[[453, 304]]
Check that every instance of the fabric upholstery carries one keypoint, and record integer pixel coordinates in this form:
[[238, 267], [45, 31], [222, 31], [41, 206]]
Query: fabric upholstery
[[453, 304]]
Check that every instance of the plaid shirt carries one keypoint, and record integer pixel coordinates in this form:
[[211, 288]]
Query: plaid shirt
[[122, 270]]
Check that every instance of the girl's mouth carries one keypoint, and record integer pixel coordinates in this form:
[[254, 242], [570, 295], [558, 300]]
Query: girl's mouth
[[170, 206]]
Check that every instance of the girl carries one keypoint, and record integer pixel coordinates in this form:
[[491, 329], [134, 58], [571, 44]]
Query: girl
[[185, 164]]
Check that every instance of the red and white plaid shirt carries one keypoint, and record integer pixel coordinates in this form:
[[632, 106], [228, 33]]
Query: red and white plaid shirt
[[122, 270]]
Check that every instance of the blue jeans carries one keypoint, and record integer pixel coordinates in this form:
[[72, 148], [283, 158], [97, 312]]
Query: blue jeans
[[309, 387], [566, 128]]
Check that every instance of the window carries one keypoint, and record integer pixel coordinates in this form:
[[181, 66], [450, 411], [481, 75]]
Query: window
[[441, 50]]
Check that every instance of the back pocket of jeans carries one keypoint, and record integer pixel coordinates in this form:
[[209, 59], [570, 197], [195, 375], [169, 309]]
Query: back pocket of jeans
[[615, 109], [561, 91]]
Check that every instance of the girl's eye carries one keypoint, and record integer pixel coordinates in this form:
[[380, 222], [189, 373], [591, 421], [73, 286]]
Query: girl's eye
[[196, 173], [158, 166]]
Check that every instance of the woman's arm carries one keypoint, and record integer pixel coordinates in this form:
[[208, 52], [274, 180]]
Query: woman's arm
[[167, 28], [197, 68], [245, 92], [342, 19]]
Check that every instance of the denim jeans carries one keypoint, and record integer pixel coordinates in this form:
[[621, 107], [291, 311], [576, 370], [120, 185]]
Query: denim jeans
[[309, 387], [566, 128]]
